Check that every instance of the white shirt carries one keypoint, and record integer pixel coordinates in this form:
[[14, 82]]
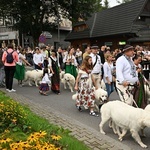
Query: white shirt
[[83, 74], [44, 53], [97, 67], [72, 57], [108, 68], [45, 79], [38, 58], [20, 62], [124, 71], [79, 54], [55, 59], [146, 53]]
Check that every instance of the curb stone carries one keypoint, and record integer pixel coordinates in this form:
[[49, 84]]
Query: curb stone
[[93, 139]]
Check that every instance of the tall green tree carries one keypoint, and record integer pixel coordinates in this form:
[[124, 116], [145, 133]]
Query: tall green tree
[[123, 1], [106, 4], [33, 16]]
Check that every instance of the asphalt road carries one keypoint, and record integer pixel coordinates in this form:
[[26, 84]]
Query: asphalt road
[[65, 105]]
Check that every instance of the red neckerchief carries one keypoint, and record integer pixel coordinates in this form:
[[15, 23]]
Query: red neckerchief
[[87, 71]]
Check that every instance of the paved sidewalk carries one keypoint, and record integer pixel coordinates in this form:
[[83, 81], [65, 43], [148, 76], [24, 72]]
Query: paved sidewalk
[[93, 139]]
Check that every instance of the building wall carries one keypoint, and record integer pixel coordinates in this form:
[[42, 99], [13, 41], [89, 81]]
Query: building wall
[[82, 44], [111, 41], [8, 35], [57, 39]]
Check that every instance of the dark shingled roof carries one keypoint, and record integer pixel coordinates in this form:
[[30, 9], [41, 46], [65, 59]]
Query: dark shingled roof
[[82, 34], [143, 36], [115, 20]]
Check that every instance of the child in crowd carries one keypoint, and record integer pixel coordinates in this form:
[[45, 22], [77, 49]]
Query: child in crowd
[[44, 86]]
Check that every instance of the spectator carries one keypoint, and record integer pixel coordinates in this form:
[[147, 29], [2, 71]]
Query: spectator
[[29, 56], [44, 52], [48, 51], [139, 92], [9, 67], [108, 77], [38, 59], [60, 57], [102, 56], [78, 56], [119, 54], [2, 73], [87, 52]]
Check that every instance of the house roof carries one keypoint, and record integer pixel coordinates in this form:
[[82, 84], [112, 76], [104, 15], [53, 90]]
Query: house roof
[[112, 21], [84, 33], [143, 36]]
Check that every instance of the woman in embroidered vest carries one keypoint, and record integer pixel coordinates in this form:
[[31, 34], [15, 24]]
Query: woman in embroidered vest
[[139, 91], [55, 69], [84, 87], [108, 70], [70, 63]]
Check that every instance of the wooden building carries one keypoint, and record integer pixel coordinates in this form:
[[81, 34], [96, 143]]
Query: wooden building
[[127, 23]]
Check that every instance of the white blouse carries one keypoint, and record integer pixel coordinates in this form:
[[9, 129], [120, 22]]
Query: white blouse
[[72, 57], [46, 79], [55, 59], [20, 62], [38, 58], [108, 68]]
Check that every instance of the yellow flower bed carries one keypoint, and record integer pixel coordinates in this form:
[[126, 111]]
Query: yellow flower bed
[[36, 141]]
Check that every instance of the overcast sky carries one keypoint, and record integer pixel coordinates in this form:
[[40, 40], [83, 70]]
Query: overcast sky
[[112, 3]]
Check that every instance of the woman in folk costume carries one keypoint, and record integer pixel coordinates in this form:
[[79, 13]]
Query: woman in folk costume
[[70, 63], [84, 86], [139, 91], [55, 69], [20, 67]]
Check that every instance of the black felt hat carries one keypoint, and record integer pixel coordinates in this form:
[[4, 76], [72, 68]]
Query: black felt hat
[[128, 47], [94, 47]]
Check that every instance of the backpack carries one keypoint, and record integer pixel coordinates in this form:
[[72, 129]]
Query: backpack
[[9, 57]]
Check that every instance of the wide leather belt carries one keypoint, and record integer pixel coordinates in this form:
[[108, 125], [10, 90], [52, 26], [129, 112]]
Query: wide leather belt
[[84, 78], [135, 84]]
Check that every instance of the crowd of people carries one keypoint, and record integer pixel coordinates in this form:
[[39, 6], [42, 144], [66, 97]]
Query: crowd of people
[[120, 69]]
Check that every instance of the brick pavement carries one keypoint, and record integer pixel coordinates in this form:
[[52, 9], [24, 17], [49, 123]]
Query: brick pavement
[[93, 139]]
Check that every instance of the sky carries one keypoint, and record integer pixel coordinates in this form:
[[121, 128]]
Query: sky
[[112, 3]]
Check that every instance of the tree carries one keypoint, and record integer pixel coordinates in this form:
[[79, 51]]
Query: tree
[[106, 4], [33, 16], [123, 1]]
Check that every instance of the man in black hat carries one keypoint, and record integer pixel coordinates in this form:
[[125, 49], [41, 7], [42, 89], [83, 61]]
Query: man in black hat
[[126, 74], [96, 72]]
